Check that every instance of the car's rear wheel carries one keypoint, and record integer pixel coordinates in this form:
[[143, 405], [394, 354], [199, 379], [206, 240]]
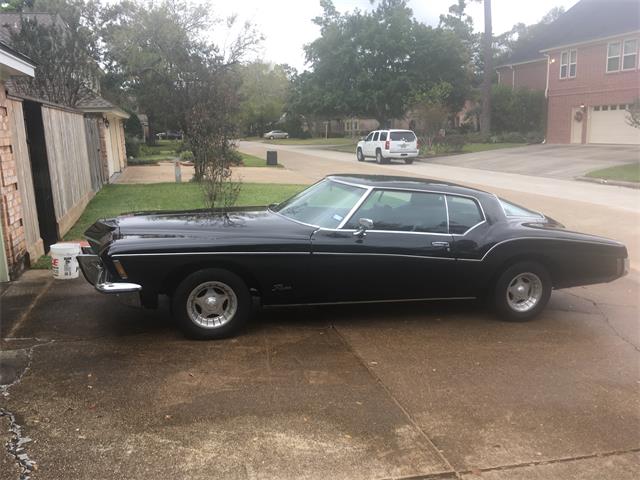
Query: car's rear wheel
[[360, 155], [211, 303], [379, 158], [522, 291], [271, 137], [408, 161]]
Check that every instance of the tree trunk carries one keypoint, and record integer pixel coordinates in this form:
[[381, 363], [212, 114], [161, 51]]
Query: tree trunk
[[485, 117]]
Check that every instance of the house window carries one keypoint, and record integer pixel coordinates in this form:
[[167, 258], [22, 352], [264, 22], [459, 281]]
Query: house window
[[629, 54], [597, 108], [605, 108], [613, 57], [613, 107], [568, 63]]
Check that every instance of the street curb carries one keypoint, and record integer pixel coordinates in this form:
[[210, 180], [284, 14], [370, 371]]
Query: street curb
[[616, 183]]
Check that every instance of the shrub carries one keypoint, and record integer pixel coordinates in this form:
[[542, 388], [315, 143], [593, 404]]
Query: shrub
[[521, 110], [449, 144], [141, 161], [132, 146], [186, 156], [512, 137], [477, 137], [535, 137]]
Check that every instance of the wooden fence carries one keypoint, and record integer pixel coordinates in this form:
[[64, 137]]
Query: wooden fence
[[69, 165]]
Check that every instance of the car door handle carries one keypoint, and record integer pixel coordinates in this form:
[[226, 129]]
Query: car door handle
[[440, 244]]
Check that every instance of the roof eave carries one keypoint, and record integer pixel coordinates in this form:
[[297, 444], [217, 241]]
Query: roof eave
[[591, 40]]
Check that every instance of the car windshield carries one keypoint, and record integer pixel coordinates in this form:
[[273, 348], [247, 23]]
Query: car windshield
[[513, 210], [403, 136], [325, 204]]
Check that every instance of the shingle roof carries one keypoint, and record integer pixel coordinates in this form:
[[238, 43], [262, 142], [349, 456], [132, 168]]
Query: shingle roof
[[586, 20], [12, 22], [90, 101]]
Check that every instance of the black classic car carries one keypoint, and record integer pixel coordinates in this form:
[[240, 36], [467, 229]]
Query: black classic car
[[346, 239]]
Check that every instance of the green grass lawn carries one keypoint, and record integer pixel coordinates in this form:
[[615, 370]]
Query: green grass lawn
[[625, 173], [116, 199], [252, 160]]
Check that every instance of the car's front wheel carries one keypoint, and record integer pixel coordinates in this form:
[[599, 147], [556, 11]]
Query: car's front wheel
[[360, 155], [211, 303], [522, 291]]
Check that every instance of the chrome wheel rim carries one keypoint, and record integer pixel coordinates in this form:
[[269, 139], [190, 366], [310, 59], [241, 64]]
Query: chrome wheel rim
[[212, 304], [524, 292]]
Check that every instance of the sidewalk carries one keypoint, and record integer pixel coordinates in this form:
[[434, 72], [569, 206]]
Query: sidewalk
[[165, 172]]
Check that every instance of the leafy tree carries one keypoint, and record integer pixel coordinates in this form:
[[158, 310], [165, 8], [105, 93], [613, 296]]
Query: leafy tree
[[263, 95], [633, 113], [64, 45], [521, 110], [373, 63]]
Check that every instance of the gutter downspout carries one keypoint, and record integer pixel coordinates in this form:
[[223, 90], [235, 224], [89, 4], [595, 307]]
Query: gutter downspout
[[546, 94]]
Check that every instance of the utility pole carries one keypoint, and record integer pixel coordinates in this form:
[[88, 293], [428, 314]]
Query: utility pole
[[485, 117]]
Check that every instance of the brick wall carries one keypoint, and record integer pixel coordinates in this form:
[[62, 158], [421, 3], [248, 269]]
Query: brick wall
[[10, 199], [592, 85], [532, 75]]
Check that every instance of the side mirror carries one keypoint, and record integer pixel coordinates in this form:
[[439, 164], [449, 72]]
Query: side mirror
[[364, 224]]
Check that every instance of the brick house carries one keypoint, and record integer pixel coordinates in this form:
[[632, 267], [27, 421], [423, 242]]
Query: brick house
[[587, 63], [13, 250]]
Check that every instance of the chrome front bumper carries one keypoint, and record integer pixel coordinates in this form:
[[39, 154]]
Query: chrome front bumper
[[95, 273]]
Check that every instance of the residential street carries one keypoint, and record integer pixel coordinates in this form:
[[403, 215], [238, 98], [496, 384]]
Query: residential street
[[426, 390]]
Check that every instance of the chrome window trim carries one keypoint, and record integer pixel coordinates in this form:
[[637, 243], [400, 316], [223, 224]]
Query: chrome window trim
[[541, 217], [355, 302], [367, 190], [348, 216], [373, 189]]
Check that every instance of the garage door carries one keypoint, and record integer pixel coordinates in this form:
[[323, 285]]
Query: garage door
[[608, 124]]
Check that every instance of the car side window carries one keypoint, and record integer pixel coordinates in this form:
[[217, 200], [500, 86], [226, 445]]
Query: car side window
[[369, 137], [464, 213], [375, 137], [383, 136], [394, 210]]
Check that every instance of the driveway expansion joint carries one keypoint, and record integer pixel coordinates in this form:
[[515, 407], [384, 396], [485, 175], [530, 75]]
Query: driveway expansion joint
[[535, 463], [17, 443], [450, 469], [607, 321]]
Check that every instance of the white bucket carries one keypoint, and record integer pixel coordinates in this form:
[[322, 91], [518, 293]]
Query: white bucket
[[64, 262]]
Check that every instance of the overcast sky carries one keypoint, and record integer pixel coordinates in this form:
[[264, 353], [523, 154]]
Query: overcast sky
[[287, 27]]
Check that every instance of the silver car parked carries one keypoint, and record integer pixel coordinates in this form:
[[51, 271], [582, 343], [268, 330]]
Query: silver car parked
[[276, 134]]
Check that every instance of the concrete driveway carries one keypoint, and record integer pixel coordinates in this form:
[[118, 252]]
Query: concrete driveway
[[368, 392], [553, 161]]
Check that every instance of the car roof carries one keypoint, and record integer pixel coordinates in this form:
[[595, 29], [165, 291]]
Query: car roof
[[410, 183]]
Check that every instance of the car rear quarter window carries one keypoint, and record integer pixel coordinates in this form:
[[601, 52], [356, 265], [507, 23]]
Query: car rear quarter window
[[402, 211], [513, 210], [403, 136], [383, 136], [464, 213]]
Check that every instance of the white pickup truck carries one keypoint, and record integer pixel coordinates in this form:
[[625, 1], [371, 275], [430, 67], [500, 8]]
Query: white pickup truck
[[384, 145]]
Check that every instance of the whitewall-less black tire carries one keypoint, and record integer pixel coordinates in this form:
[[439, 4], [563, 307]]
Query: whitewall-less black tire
[[360, 155]]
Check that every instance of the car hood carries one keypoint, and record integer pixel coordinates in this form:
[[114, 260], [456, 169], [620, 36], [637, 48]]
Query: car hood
[[198, 230]]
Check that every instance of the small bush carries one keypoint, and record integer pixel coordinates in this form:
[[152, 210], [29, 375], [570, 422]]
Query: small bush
[[477, 137], [186, 156], [512, 137], [132, 146], [141, 161], [449, 144], [535, 137]]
